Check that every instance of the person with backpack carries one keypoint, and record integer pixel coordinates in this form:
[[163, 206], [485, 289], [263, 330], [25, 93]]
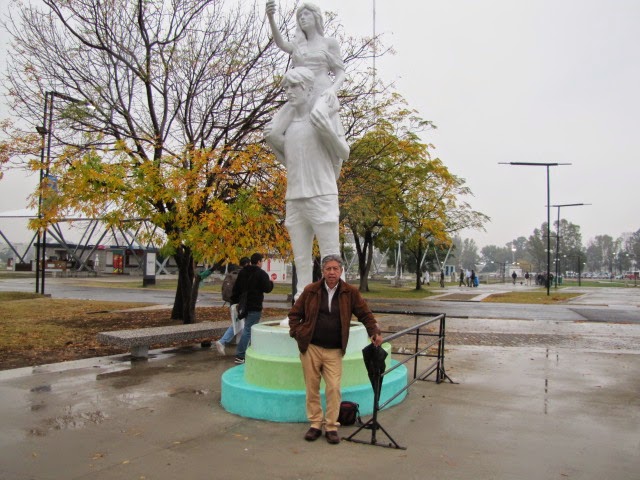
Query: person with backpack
[[252, 283], [230, 280], [227, 293]]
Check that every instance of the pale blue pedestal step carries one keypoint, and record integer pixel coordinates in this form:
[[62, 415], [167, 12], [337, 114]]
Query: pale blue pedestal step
[[252, 401]]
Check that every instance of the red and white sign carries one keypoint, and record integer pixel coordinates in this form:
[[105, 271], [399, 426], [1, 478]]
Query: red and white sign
[[276, 269]]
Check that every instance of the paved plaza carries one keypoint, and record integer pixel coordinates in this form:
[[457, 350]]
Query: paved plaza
[[535, 398]]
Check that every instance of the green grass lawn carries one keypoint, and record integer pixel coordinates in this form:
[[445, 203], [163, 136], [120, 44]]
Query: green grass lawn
[[538, 297]]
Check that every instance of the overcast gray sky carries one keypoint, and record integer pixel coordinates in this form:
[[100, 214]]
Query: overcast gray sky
[[513, 81]]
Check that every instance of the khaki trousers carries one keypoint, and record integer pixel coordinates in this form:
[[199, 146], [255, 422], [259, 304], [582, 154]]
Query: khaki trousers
[[325, 363]]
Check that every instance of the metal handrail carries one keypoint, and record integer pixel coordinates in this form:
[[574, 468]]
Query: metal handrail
[[437, 366]]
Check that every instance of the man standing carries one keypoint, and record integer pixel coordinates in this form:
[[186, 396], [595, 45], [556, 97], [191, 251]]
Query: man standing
[[319, 321], [255, 281], [312, 148]]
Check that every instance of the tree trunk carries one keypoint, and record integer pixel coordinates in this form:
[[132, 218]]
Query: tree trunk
[[418, 257], [365, 258], [186, 294]]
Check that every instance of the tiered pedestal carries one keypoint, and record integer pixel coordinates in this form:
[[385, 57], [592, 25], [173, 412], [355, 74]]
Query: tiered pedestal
[[270, 385]]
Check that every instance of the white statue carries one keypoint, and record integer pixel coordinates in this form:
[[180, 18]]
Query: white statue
[[313, 50], [308, 138]]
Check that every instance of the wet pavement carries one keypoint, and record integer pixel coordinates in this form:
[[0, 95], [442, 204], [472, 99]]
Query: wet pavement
[[534, 398]]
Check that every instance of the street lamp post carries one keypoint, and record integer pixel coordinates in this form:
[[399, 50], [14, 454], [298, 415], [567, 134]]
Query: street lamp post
[[45, 130], [558, 234], [42, 130], [547, 165]]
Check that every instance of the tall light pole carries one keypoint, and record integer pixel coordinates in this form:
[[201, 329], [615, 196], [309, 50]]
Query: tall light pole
[[534, 164], [42, 130], [46, 132], [558, 234]]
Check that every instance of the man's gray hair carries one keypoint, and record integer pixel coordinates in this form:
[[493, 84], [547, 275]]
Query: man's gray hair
[[333, 257]]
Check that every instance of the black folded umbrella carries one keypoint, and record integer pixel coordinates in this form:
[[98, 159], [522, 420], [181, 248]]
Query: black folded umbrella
[[374, 359]]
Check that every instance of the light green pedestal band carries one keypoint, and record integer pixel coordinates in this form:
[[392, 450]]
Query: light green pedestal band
[[270, 385]]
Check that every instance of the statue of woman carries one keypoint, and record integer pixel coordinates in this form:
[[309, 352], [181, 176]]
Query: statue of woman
[[310, 49]]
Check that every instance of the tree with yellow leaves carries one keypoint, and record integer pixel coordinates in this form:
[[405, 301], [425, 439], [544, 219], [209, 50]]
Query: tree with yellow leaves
[[159, 110], [392, 190]]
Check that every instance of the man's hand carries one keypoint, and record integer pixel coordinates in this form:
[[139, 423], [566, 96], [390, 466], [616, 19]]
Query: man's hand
[[377, 340]]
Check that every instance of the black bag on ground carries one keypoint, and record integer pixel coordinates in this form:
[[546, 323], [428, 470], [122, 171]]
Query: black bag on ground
[[349, 413]]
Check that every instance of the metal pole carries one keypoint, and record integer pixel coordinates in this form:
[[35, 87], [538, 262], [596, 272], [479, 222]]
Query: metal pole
[[42, 131], [49, 128], [535, 164], [557, 249], [548, 230], [558, 233], [374, 46], [375, 53]]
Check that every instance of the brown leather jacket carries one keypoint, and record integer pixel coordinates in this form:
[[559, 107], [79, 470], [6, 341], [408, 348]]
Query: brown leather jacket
[[304, 313]]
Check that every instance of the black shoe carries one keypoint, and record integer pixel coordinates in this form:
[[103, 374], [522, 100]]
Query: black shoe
[[239, 360], [312, 434], [332, 437]]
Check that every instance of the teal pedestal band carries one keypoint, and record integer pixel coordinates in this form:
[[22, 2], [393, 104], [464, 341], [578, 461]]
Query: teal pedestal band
[[261, 403], [270, 385]]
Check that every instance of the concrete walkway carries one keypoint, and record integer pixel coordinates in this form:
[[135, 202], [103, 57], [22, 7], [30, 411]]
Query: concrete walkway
[[534, 399]]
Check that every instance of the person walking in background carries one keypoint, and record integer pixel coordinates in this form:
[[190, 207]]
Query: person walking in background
[[514, 275], [253, 280], [237, 325], [461, 278], [442, 278], [473, 278], [319, 321], [426, 278]]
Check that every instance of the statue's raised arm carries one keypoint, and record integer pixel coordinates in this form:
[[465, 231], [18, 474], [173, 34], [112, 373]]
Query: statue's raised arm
[[275, 33], [311, 49]]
